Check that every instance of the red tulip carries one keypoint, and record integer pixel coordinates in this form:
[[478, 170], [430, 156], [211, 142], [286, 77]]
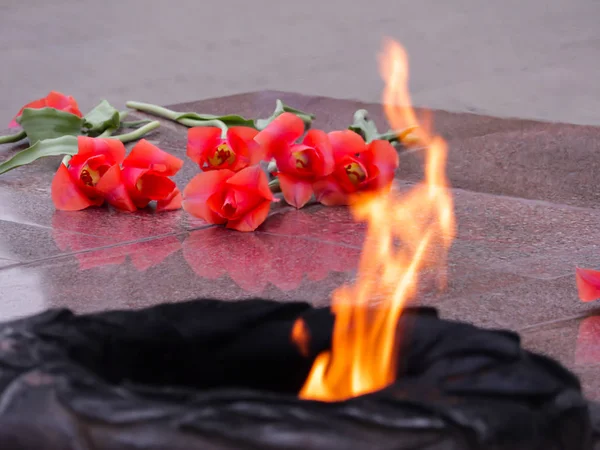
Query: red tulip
[[298, 165], [207, 148], [145, 174], [282, 132], [588, 284], [359, 167], [54, 100], [92, 176], [241, 200]]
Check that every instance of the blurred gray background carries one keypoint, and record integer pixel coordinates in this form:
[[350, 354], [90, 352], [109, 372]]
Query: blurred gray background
[[527, 58]]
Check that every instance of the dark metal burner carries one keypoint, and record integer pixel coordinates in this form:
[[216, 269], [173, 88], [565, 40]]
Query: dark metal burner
[[208, 374]]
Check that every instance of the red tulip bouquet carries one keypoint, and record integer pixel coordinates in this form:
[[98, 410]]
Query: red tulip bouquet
[[243, 164]]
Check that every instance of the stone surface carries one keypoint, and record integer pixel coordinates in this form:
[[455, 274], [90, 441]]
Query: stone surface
[[512, 264], [575, 343]]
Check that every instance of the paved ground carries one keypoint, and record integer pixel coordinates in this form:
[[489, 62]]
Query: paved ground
[[537, 58], [524, 223]]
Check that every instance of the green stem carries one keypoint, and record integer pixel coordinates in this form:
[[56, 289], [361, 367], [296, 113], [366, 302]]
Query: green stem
[[211, 123], [107, 133], [399, 136], [154, 110], [364, 126], [172, 115], [13, 137], [390, 136], [138, 133], [275, 186], [306, 118], [360, 115], [135, 123], [272, 167], [66, 160]]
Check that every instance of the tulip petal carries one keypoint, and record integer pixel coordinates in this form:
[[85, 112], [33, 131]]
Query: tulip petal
[[201, 140], [245, 133], [36, 104], [203, 211], [131, 177], [205, 184], [148, 156], [319, 140], [248, 151], [253, 219], [171, 203], [112, 187], [385, 157], [155, 186], [588, 284], [252, 178], [296, 191], [197, 194], [54, 100], [285, 157], [281, 132], [63, 102], [113, 149], [329, 193], [66, 195], [345, 143]]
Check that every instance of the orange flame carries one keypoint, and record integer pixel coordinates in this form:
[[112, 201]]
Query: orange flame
[[301, 337], [406, 232]]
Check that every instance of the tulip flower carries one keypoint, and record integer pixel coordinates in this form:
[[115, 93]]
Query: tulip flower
[[282, 132], [54, 100], [145, 174], [240, 200], [358, 167], [91, 176], [214, 148], [298, 165]]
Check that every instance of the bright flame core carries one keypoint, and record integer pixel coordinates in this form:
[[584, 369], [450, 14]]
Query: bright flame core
[[406, 232]]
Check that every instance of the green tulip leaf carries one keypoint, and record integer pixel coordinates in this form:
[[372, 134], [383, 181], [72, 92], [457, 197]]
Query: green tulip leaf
[[364, 126], [49, 123], [368, 130], [101, 118], [64, 145], [10, 138]]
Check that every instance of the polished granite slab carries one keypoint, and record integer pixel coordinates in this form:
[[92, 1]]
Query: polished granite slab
[[526, 205]]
